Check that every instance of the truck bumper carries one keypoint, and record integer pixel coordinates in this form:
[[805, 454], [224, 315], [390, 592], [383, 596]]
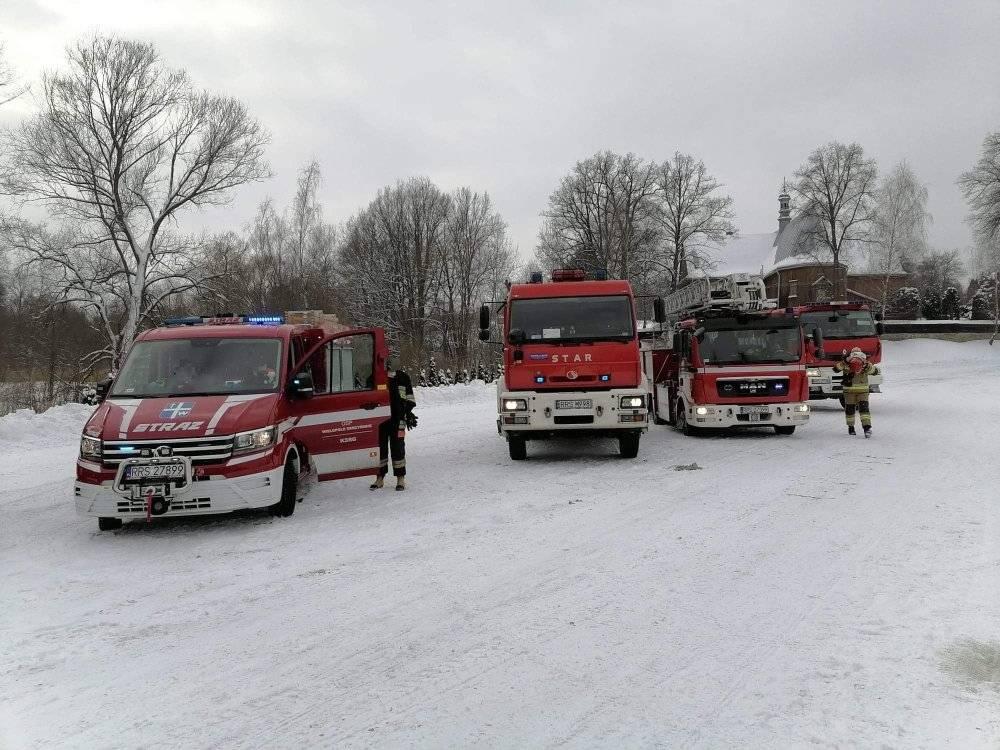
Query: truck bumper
[[828, 383], [568, 412], [723, 416], [213, 495]]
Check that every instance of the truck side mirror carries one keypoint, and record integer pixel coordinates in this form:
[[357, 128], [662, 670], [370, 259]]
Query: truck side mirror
[[302, 385], [659, 310], [484, 334], [817, 337], [484, 320], [675, 344], [516, 336], [879, 317], [102, 389], [880, 328]]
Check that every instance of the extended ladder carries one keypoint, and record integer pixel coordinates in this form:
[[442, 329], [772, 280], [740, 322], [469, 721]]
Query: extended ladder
[[738, 291]]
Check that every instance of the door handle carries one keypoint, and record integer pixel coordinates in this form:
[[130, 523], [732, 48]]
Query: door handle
[[370, 405]]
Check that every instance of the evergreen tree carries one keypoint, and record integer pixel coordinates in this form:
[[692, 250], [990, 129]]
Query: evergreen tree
[[951, 304]]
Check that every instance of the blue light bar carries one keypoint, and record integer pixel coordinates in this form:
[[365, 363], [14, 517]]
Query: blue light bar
[[187, 320], [264, 320]]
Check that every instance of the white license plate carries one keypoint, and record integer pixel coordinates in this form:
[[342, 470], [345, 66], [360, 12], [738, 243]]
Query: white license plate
[[153, 471], [580, 403], [754, 417], [754, 409]]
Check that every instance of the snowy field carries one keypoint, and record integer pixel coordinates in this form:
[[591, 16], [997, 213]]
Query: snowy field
[[813, 590]]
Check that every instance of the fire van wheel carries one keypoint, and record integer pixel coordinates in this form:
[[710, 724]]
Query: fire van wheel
[[518, 448], [784, 429], [628, 446], [109, 524], [289, 489]]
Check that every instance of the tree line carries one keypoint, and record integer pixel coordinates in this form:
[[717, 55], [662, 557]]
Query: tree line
[[101, 180]]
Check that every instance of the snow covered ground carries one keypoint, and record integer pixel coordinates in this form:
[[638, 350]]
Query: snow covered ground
[[792, 591]]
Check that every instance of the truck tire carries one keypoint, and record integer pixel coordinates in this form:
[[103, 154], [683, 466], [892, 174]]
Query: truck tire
[[681, 422], [517, 447], [628, 445], [289, 489], [109, 524], [784, 429]]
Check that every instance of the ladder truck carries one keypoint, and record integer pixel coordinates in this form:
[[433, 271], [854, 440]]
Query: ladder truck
[[730, 359]]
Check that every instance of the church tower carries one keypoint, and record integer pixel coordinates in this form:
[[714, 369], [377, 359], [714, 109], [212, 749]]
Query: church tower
[[784, 208]]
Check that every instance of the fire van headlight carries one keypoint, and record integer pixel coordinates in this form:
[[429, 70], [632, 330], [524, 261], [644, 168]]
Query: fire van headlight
[[802, 408], [701, 411], [632, 402], [90, 447], [515, 404], [254, 440], [812, 373]]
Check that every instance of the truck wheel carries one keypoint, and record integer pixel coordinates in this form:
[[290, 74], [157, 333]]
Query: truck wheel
[[289, 489], [517, 447], [784, 429], [109, 524], [681, 422], [628, 445]]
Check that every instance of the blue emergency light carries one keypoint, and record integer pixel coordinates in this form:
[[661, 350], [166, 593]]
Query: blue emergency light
[[605, 378], [539, 378], [264, 320]]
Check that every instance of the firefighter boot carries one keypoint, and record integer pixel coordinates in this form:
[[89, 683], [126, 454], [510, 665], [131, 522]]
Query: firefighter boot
[[377, 484], [868, 431], [850, 430], [400, 484]]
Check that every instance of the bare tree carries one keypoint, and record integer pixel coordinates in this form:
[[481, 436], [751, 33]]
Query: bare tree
[[476, 258], [603, 217], [981, 187], [836, 189], [694, 214], [391, 261], [899, 225], [9, 87], [121, 147]]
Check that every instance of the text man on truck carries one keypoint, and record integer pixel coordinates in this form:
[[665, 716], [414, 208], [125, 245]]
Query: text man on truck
[[571, 362]]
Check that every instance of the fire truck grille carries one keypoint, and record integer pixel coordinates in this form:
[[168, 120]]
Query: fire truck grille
[[207, 450], [751, 387]]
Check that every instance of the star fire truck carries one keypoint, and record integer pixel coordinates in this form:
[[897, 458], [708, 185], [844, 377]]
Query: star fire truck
[[211, 415], [571, 362], [731, 359], [845, 325]]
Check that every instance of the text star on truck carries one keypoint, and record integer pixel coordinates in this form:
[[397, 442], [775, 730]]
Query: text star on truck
[[845, 325], [730, 360], [216, 415], [571, 362]]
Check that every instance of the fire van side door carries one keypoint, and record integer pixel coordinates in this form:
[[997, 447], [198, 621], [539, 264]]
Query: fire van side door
[[338, 424]]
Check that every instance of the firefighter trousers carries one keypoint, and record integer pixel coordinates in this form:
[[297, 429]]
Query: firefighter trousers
[[392, 438], [857, 401]]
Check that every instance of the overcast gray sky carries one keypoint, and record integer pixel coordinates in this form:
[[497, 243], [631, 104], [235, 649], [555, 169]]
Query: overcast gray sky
[[506, 96]]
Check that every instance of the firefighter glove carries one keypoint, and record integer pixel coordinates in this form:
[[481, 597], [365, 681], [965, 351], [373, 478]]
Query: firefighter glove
[[411, 420]]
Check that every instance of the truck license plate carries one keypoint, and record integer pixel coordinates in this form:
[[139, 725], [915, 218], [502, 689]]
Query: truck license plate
[[137, 472], [763, 409], [580, 403]]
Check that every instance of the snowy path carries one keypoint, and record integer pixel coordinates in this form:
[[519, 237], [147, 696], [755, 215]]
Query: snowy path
[[810, 590]]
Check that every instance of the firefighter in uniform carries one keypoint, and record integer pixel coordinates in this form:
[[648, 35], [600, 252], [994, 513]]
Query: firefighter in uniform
[[857, 369], [392, 432]]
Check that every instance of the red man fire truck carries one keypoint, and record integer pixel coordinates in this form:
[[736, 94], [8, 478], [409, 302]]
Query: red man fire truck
[[845, 326], [730, 361], [571, 362], [216, 415]]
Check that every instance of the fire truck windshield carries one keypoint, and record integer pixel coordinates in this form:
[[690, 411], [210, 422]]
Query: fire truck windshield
[[199, 367], [573, 319], [741, 345], [848, 324]]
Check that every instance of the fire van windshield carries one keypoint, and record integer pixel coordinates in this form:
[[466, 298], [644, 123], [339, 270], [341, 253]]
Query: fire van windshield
[[744, 345], [199, 367], [573, 319]]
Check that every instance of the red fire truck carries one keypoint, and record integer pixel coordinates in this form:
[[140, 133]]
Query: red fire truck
[[216, 415], [730, 361], [844, 325], [571, 362]]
